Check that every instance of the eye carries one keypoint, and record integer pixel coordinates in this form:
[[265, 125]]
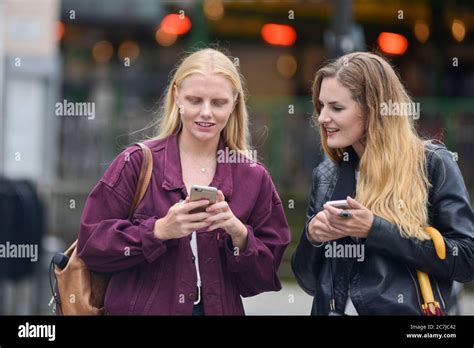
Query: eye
[[219, 102], [194, 100], [338, 108]]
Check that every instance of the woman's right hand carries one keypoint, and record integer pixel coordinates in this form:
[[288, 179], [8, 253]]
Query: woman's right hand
[[179, 223], [320, 231]]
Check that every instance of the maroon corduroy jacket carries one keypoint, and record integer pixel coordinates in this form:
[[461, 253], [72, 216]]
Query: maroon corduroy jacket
[[154, 277]]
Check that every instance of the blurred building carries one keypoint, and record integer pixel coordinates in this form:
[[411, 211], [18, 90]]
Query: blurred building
[[29, 81]]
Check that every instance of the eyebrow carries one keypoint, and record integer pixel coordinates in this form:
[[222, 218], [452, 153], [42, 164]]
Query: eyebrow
[[331, 102], [195, 96]]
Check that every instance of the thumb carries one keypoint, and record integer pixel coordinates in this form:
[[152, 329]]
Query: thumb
[[353, 204], [220, 196]]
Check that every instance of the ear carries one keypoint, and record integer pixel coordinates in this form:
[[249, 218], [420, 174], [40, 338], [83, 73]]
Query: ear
[[175, 92]]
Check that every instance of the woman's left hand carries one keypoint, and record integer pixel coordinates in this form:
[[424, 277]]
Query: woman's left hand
[[224, 218], [358, 225]]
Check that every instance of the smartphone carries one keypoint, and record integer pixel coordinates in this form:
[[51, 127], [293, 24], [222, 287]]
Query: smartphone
[[199, 192], [341, 204]]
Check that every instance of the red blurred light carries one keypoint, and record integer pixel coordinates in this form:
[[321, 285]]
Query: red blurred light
[[60, 30], [392, 43], [279, 34], [176, 24]]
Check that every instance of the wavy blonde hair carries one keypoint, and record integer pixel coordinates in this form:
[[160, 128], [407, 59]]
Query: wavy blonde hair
[[393, 180], [236, 132]]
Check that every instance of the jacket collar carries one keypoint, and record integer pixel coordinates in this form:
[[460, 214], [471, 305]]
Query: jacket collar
[[172, 170]]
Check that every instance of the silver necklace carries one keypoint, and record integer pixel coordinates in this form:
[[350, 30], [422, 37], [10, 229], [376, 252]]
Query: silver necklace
[[201, 169]]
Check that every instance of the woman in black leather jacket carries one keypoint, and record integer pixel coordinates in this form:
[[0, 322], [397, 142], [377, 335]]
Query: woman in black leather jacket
[[363, 259]]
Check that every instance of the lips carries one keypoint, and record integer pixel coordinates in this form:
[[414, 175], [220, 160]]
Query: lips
[[205, 124], [331, 130]]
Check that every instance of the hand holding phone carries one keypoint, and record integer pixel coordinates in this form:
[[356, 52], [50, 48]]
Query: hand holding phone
[[183, 218]]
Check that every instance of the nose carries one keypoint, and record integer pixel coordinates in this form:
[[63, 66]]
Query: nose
[[323, 117], [206, 112]]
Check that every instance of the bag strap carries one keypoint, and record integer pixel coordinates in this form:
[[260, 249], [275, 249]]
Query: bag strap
[[430, 306], [144, 178]]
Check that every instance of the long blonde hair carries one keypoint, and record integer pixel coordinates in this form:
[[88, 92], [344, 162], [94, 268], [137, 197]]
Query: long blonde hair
[[236, 132], [393, 180]]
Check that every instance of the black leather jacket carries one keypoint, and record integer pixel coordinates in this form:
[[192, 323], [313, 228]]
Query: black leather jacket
[[385, 282]]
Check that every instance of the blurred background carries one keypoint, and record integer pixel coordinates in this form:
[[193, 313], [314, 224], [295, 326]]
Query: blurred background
[[117, 56]]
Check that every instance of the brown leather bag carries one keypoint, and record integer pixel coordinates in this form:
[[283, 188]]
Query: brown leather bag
[[78, 290]]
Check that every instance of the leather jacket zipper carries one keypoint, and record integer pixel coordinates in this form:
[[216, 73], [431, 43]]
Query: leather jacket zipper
[[439, 293], [416, 287]]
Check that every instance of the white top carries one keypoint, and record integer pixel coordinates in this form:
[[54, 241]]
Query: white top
[[194, 248], [350, 309]]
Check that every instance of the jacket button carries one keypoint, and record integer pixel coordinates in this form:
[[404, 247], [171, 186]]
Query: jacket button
[[193, 258], [191, 296]]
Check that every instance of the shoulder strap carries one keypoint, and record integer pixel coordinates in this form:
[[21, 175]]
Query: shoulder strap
[[143, 179]]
